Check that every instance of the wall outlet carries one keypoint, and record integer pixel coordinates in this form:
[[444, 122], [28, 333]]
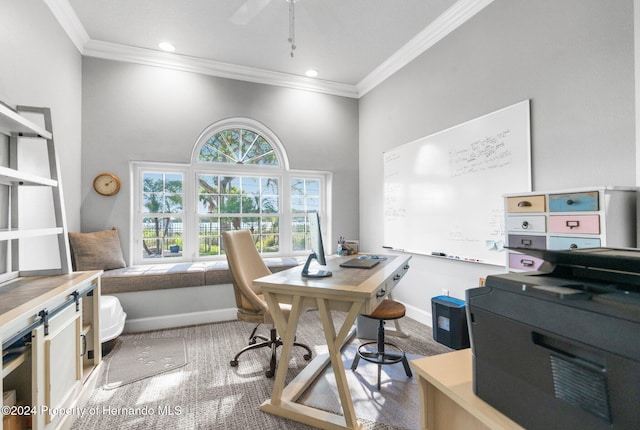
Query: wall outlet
[[445, 292]]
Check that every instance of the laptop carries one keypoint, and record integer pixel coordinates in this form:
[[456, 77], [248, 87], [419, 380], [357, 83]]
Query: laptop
[[361, 263]]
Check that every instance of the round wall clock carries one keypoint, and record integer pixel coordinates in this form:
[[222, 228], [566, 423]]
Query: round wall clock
[[106, 184]]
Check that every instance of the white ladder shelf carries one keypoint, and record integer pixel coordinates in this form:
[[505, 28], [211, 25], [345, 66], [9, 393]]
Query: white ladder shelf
[[18, 127]]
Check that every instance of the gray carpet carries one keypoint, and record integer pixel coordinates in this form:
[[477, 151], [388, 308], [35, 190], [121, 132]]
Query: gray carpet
[[396, 405], [207, 393]]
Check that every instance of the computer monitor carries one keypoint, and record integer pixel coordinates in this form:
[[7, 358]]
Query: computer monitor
[[317, 249]]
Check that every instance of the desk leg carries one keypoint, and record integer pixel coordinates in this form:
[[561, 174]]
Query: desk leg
[[287, 330], [283, 399], [334, 343]]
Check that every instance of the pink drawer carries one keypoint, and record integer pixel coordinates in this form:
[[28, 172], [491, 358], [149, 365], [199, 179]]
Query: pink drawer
[[524, 262], [585, 224]]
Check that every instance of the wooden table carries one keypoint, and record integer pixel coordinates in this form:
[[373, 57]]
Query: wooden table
[[354, 291], [447, 397]]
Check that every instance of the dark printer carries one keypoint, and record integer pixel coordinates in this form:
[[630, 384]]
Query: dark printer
[[560, 348]]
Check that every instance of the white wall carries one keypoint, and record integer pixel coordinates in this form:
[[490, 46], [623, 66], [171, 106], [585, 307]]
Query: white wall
[[41, 67], [574, 59]]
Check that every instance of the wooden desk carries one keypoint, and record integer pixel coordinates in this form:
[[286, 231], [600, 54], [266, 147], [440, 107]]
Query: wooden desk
[[354, 291], [447, 397]]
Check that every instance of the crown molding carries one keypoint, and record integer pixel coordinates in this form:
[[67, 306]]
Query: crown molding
[[69, 21], [149, 57], [451, 19]]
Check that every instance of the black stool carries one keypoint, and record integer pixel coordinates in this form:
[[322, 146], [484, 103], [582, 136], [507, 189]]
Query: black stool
[[387, 310]]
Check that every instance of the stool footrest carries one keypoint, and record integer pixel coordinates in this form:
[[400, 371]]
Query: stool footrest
[[380, 357]]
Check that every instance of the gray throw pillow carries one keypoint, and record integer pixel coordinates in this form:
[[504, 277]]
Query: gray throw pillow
[[99, 250]]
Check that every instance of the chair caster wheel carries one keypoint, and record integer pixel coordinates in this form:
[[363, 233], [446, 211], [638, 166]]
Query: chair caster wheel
[[269, 374], [307, 357], [234, 363]]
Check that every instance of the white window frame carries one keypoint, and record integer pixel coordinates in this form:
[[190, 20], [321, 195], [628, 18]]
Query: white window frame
[[190, 172]]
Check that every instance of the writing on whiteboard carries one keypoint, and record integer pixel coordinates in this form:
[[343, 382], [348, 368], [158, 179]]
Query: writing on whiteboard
[[490, 152]]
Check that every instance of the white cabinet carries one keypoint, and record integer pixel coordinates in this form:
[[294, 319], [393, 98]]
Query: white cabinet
[[569, 219], [58, 316]]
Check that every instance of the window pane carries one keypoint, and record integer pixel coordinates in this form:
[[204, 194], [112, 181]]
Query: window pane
[[269, 205], [230, 185], [173, 203], [312, 187], [208, 204], [161, 237], [152, 203], [269, 186], [209, 236], [297, 205], [208, 184], [297, 187], [313, 204], [270, 243], [152, 182], [230, 205], [250, 205], [250, 186], [251, 223], [270, 224], [173, 183]]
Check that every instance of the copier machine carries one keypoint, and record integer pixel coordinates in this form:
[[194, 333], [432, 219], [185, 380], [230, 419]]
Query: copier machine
[[559, 348]]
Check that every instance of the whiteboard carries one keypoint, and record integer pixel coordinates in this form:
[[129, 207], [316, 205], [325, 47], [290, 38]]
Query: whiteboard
[[443, 192]]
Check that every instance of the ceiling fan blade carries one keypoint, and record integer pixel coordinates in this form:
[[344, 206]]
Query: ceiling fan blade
[[248, 10]]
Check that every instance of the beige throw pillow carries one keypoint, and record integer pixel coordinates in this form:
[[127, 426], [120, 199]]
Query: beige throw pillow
[[96, 251]]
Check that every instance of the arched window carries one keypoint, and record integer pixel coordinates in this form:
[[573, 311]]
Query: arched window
[[238, 178], [240, 141]]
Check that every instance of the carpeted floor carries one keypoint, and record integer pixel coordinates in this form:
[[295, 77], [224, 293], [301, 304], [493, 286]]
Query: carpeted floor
[[207, 393]]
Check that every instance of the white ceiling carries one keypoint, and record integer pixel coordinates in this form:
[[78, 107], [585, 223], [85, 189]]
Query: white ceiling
[[353, 44]]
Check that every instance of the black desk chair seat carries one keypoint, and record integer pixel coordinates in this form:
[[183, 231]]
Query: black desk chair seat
[[387, 310]]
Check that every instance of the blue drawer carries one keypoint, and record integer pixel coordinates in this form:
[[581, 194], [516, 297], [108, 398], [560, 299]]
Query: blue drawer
[[563, 242], [575, 202]]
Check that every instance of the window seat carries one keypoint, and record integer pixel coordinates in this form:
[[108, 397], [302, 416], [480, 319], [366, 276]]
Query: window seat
[[159, 276], [162, 295]]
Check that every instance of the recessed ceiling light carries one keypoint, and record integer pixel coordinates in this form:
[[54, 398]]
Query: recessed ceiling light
[[166, 46], [311, 73]]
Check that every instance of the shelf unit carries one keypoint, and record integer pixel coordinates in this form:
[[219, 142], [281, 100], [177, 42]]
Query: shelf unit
[[15, 125]]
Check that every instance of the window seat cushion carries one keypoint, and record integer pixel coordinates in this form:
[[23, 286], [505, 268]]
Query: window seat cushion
[[149, 277]]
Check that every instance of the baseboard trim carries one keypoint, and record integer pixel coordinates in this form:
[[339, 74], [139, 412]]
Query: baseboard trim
[[219, 315], [419, 315], [179, 320]]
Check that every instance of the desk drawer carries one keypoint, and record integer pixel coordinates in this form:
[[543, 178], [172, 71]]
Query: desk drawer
[[562, 242], [582, 224], [575, 202], [383, 291], [526, 204], [527, 241], [529, 223]]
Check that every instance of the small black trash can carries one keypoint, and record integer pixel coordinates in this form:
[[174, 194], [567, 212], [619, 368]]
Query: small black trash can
[[449, 322]]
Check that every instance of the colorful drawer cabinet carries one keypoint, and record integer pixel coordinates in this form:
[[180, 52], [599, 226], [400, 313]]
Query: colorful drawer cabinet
[[582, 218]]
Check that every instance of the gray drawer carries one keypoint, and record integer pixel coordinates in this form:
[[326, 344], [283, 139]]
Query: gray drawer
[[527, 241]]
